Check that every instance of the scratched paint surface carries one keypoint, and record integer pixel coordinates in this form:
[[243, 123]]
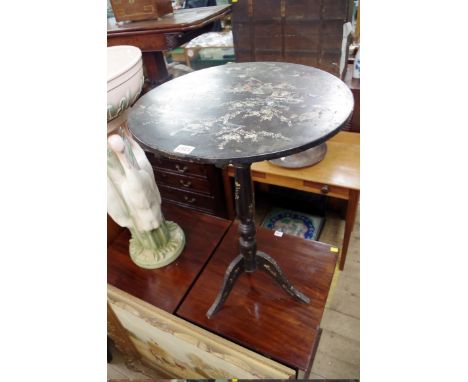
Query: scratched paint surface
[[242, 112]]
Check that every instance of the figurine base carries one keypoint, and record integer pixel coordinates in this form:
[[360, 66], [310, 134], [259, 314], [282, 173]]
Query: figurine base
[[153, 258]]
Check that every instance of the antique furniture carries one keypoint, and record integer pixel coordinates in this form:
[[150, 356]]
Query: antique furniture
[[157, 317], [308, 32], [240, 114], [131, 10], [191, 185], [336, 176], [142, 319], [154, 37], [355, 86], [255, 315], [305, 32]]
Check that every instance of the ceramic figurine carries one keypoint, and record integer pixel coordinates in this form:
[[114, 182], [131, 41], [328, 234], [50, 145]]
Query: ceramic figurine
[[133, 199]]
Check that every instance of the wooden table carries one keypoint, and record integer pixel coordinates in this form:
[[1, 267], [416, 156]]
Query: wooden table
[[258, 314], [337, 175], [157, 317], [165, 287], [142, 306], [155, 36], [240, 114]]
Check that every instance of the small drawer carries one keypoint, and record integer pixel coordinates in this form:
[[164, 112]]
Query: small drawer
[[179, 167], [326, 189], [188, 198], [181, 181]]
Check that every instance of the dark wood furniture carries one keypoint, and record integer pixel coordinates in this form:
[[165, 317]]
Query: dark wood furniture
[[135, 10], [240, 114], [154, 37], [308, 32], [142, 304], [157, 317], [354, 84], [191, 185], [256, 315], [165, 287]]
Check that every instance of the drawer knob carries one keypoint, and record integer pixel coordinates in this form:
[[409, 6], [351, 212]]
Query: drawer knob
[[181, 170], [324, 189], [189, 200], [185, 183]]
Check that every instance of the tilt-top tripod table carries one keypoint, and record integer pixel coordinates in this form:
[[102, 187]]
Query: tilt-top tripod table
[[239, 114]]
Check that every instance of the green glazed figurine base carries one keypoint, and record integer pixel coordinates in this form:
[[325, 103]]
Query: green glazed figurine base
[[159, 254]]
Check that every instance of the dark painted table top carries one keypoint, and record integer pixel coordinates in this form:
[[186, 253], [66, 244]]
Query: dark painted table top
[[165, 287], [241, 113], [258, 314]]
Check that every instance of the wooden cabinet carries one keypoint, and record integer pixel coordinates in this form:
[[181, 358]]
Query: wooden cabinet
[[307, 32], [354, 124], [191, 185]]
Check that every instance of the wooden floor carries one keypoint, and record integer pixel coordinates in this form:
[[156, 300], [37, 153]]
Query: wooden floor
[[338, 352]]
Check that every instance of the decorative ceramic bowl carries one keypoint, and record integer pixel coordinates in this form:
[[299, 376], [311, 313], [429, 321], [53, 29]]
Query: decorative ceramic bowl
[[304, 159], [124, 78]]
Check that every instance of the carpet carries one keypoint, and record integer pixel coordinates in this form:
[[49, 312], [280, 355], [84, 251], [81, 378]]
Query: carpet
[[294, 223]]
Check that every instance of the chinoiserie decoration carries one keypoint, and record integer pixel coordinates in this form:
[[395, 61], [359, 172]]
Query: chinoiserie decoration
[[133, 198]]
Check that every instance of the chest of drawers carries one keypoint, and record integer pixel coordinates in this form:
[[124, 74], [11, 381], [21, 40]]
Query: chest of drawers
[[192, 185]]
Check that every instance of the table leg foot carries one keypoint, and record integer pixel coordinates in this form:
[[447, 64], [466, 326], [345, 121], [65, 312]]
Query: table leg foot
[[269, 265], [231, 275]]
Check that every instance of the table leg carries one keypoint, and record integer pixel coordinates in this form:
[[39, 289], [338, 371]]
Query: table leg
[[231, 275], [269, 265], [248, 258], [155, 69], [350, 219], [228, 194]]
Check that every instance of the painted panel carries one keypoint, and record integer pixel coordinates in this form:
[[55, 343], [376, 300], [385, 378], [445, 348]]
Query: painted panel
[[183, 350]]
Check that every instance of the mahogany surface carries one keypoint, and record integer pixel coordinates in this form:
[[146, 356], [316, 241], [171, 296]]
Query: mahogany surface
[[258, 314], [165, 287]]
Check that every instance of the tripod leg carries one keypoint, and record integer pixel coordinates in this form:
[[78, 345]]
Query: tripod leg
[[269, 265], [231, 275]]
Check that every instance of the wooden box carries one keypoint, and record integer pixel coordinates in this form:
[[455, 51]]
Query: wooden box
[[137, 10], [308, 32]]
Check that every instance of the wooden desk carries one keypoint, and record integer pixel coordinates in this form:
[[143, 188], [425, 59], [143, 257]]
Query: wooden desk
[[337, 175], [155, 36]]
